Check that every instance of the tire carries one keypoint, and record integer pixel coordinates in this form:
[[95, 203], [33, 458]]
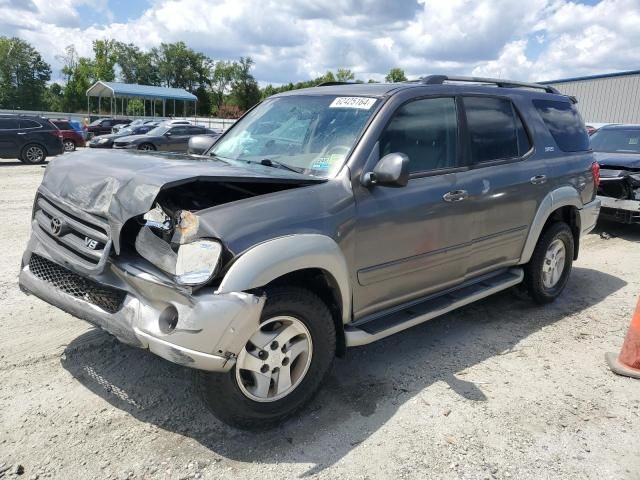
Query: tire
[[33, 154], [539, 273], [146, 147], [227, 395], [69, 145]]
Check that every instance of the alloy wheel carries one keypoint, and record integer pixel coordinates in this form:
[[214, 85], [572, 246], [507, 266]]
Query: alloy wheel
[[275, 360]]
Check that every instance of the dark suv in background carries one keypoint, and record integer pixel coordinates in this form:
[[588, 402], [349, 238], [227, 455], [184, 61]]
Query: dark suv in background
[[30, 138], [103, 126]]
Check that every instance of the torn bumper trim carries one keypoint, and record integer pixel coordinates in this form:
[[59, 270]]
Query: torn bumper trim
[[589, 216], [210, 331]]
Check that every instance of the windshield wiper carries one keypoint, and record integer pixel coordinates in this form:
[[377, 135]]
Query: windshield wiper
[[267, 162]]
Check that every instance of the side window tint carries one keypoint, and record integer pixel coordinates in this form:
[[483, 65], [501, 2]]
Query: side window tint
[[564, 123], [29, 124], [107, 123], [495, 130], [426, 131], [9, 124]]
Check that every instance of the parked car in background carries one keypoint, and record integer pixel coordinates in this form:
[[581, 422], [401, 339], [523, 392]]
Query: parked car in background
[[71, 138], [325, 218], [617, 150], [103, 126], [106, 141], [30, 138], [199, 144], [168, 138], [136, 123]]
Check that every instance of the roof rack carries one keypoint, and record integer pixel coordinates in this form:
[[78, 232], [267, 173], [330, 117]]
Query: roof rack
[[328, 84], [440, 79]]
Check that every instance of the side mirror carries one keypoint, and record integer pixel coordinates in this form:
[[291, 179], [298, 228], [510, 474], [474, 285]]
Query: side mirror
[[199, 144], [168, 134], [391, 171]]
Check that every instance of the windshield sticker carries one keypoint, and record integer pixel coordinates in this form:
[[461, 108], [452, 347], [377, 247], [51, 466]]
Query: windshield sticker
[[361, 103], [633, 141], [325, 163]]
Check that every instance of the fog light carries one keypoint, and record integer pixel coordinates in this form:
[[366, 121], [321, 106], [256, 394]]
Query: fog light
[[168, 319]]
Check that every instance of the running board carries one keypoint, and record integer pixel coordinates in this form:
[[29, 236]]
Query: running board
[[368, 331]]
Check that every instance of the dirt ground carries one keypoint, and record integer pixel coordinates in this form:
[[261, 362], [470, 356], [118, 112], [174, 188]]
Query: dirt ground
[[499, 389]]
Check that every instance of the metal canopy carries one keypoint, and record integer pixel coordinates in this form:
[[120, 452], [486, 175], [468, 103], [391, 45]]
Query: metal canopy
[[132, 90]]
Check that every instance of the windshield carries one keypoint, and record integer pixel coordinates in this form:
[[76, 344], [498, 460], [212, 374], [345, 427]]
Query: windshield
[[158, 131], [96, 122], [127, 131], [616, 140], [312, 134]]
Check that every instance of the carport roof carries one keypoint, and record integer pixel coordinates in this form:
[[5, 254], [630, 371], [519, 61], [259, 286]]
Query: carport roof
[[115, 89]]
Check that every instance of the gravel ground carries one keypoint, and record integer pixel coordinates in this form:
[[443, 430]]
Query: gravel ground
[[499, 389]]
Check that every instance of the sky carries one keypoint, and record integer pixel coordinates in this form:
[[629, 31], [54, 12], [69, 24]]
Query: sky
[[293, 40]]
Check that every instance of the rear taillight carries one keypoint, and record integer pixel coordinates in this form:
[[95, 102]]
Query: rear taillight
[[55, 133], [595, 171]]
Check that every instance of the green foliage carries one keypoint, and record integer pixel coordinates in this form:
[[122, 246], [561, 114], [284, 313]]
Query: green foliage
[[244, 88], [135, 107], [23, 75], [395, 75], [223, 88], [344, 75]]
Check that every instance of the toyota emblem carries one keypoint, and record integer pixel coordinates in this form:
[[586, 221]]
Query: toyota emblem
[[56, 226]]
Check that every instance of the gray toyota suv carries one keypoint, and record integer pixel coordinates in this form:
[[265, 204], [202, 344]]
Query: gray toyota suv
[[325, 218]]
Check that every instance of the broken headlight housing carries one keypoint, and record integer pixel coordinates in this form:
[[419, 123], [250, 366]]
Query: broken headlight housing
[[197, 261], [169, 245]]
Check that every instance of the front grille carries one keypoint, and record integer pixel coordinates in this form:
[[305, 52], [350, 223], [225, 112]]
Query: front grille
[[107, 298], [82, 237]]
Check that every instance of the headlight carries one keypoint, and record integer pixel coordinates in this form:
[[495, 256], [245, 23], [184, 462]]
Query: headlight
[[197, 261], [103, 140]]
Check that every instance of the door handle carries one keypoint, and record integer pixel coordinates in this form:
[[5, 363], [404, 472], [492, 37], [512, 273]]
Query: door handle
[[538, 179], [455, 196], [22, 133]]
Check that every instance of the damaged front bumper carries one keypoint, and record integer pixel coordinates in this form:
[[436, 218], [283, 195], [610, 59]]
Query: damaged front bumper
[[620, 210], [201, 330]]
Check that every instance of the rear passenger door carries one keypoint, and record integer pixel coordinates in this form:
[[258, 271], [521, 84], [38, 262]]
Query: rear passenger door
[[10, 141], [179, 138], [506, 182]]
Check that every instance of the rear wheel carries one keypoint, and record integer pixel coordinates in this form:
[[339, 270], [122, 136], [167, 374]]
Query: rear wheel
[[146, 147], [547, 273], [281, 366], [33, 154], [69, 145]]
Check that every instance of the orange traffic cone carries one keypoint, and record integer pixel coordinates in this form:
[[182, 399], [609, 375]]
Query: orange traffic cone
[[628, 362]]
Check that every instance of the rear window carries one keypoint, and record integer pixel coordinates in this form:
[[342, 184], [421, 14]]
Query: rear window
[[63, 125], [495, 129], [564, 123]]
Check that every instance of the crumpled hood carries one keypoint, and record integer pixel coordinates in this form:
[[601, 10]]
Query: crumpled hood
[[619, 160], [119, 185]]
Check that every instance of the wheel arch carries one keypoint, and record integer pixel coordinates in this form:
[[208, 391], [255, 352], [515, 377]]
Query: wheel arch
[[301, 257], [562, 204]]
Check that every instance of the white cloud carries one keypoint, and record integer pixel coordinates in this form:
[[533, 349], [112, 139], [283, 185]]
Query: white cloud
[[293, 40]]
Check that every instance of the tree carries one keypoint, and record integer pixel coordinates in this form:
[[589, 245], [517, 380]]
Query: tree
[[244, 87], [395, 75], [135, 65], [23, 75], [221, 77], [344, 75], [54, 98], [81, 77], [104, 60]]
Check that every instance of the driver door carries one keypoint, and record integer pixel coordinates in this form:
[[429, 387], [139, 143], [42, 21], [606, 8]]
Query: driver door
[[413, 241]]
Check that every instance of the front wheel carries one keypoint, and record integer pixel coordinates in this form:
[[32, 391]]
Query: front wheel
[[33, 154], [282, 365], [147, 147], [547, 273]]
